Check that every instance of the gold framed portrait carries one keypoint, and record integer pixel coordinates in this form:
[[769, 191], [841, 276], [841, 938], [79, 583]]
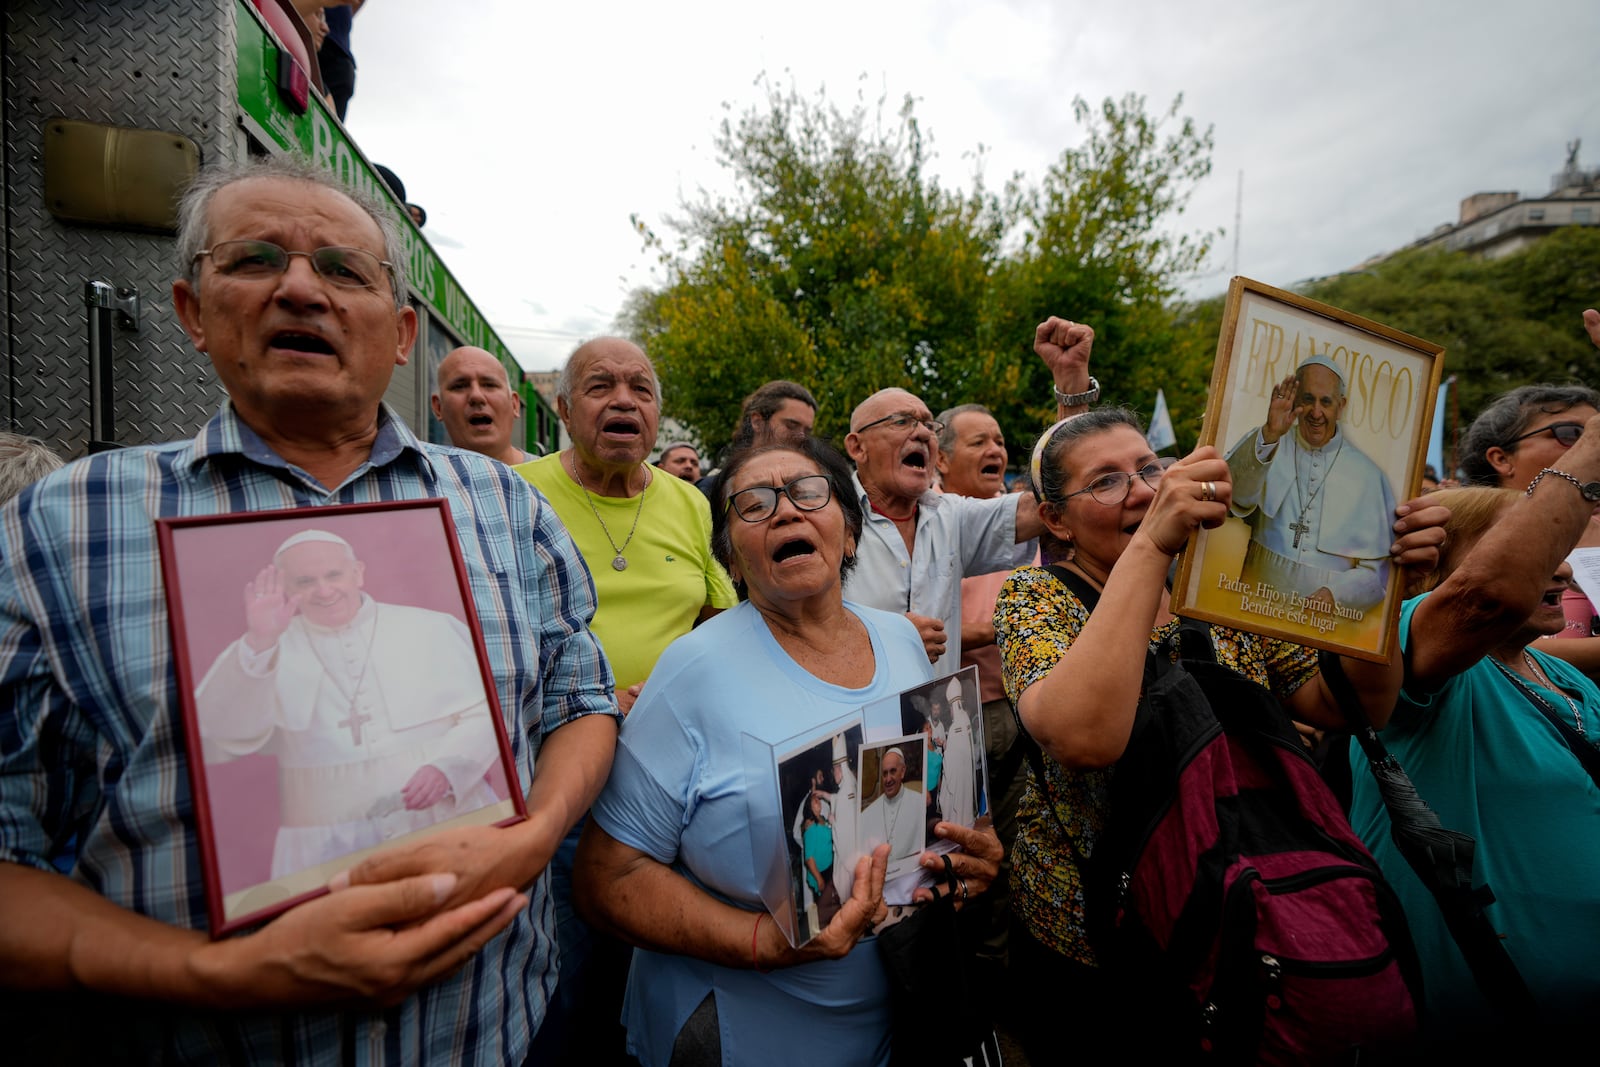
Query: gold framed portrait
[[1324, 418]]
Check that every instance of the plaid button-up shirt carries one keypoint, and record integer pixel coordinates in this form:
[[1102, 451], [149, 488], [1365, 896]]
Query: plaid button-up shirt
[[91, 736]]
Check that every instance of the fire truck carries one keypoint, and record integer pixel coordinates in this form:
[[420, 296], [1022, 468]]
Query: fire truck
[[108, 110]]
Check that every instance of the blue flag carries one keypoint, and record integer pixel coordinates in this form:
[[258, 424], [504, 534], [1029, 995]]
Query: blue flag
[[1436, 437], [1161, 435]]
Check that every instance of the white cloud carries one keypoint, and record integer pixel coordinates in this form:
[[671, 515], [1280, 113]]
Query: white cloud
[[530, 132]]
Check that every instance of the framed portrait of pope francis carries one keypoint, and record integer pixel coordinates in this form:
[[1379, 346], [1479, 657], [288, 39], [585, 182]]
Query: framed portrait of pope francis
[[336, 694], [1324, 418]]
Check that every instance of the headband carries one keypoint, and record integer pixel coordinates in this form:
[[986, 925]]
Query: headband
[[1038, 456]]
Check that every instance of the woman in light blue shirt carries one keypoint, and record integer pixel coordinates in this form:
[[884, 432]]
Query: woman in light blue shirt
[[667, 859]]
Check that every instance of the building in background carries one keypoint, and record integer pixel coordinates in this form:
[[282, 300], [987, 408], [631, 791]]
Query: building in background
[[1497, 224]]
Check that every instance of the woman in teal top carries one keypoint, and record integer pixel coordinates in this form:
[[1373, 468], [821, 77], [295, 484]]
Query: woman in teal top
[[1473, 729]]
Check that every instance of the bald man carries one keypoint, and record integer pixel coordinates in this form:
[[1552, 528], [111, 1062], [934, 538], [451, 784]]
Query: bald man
[[474, 399], [917, 544]]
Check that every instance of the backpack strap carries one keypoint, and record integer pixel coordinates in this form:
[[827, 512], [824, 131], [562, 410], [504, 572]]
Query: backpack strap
[[1441, 858], [1089, 596]]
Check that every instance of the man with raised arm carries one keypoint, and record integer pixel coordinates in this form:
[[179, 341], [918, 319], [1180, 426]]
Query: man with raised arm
[[918, 544], [440, 952]]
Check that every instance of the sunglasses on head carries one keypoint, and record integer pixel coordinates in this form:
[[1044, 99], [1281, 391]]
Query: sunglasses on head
[[1565, 433]]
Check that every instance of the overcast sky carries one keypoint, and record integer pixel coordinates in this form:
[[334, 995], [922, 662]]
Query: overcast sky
[[531, 131]]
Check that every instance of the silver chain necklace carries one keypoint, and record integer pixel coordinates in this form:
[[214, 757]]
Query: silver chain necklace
[[618, 562], [1544, 680], [353, 721], [1299, 526]]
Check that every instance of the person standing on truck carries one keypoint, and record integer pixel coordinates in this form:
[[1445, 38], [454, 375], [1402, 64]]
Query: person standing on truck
[[444, 952], [337, 61]]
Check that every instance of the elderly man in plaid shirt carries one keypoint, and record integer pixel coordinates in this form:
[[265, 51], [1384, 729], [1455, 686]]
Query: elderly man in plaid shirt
[[441, 952]]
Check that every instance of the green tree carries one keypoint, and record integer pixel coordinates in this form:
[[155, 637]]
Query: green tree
[[1094, 240], [1503, 322], [838, 262], [841, 262]]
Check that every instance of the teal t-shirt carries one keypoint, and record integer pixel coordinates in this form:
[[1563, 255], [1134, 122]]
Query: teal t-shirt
[[1491, 765], [819, 847]]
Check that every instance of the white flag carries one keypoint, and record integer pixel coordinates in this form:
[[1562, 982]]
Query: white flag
[[1161, 435]]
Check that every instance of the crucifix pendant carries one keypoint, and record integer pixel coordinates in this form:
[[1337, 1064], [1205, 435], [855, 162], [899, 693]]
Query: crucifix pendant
[[619, 564], [355, 722], [1300, 529]]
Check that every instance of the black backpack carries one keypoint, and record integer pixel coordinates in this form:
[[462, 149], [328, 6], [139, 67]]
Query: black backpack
[[1228, 882]]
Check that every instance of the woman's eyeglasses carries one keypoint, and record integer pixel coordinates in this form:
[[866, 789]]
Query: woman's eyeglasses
[[1112, 489], [809, 492], [1565, 433]]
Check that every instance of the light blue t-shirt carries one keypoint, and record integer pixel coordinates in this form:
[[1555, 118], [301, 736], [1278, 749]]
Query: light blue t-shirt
[[1491, 765], [677, 794]]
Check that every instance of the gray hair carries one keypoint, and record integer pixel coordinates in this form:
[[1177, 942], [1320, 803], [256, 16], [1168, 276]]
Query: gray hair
[[568, 379], [193, 224], [1507, 416], [1053, 473], [23, 461], [947, 435]]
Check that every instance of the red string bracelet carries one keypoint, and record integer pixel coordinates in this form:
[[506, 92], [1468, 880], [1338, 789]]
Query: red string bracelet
[[755, 934]]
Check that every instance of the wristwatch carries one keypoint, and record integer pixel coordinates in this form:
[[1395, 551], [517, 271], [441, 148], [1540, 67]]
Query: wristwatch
[[1072, 400], [1590, 490]]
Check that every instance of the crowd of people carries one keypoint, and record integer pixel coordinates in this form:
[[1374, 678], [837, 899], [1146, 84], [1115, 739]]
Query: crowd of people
[[639, 618]]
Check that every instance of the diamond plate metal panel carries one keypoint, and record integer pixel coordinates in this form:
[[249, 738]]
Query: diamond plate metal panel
[[157, 65]]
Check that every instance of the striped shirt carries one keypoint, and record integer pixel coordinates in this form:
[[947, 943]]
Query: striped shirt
[[91, 734]]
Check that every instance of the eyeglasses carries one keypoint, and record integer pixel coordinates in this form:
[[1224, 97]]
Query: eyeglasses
[[1112, 489], [348, 268], [1565, 433], [809, 492], [904, 421]]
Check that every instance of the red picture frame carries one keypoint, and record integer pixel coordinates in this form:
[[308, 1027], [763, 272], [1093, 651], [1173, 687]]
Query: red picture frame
[[383, 629]]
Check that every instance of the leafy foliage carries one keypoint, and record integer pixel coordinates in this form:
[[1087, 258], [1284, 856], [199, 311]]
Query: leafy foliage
[[840, 262], [1503, 322]]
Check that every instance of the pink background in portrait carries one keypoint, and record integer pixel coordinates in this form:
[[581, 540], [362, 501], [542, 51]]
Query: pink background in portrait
[[407, 560]]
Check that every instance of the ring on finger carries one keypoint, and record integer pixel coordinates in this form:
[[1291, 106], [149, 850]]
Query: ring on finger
[[963, 883], [1208, 491]]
